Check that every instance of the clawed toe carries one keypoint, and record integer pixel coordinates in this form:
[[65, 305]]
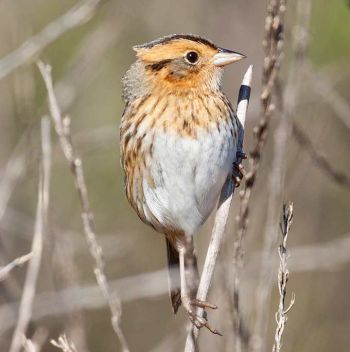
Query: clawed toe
[[203, 304], [238, 173], [200, 322]]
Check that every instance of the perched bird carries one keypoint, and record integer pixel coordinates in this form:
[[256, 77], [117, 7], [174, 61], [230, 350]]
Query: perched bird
[[178, 140]]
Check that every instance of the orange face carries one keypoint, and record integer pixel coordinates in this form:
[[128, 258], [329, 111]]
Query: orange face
[[179, 62]]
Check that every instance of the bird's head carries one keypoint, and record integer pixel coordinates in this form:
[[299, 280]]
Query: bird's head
[[181, 62]]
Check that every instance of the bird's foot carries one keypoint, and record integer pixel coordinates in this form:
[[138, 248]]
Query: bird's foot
[[197, 320], [203, 304], [238, 173]]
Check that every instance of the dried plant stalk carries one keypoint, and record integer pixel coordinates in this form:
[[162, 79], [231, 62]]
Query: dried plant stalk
[[283, 276], [220, 219], [5, 270], [275, 189], [273, 44], [62, 128], [26, 305]]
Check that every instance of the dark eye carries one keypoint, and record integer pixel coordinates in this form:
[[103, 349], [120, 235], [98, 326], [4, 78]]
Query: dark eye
[[192, 57]]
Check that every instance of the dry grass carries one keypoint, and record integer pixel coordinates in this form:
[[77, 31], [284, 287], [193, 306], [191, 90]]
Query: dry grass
[[62, 128], [25, 308], [283, 276]]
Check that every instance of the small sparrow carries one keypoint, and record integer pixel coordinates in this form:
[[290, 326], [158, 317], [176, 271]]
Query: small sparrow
[[178, 137]]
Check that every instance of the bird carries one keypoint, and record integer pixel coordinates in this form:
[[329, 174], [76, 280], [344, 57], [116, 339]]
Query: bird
[[179, 141]]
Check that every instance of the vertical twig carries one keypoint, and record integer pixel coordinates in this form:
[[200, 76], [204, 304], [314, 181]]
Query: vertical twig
[[220, 219], [62, 128], [25, 309], [283, 276], [273, 44], [277, 176]]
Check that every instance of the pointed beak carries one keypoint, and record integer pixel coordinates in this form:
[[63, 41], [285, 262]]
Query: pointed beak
[[225, 57]]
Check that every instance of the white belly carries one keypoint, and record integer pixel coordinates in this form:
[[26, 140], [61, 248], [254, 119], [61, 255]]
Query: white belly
[[188, 176]]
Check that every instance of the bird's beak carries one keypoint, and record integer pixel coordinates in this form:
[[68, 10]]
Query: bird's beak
[[225, 57]]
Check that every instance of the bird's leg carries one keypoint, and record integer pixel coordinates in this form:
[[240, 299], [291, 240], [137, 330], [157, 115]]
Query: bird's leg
[[238, 171], [189, 284]]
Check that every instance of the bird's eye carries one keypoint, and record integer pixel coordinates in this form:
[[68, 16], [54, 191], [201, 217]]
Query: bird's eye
[[192, 57]]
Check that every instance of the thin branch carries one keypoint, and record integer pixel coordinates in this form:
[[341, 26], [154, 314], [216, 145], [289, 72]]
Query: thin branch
[[5, 270], [273, 44], [288, 102], [319, 159], [25, 309], [76, 16], [220, 219], [62, 127], [283, 276]]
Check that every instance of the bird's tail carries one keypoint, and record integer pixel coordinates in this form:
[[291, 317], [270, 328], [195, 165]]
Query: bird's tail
[[174, 275]]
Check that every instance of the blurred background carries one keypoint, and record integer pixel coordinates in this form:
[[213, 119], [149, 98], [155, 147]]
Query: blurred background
[[88, 63]]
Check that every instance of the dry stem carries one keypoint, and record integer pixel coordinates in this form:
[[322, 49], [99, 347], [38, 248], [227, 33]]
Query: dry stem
[[288, 102], [25, 309], [5, 270], [219, 223], [283, 276], [272, 44], [62, 127]]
